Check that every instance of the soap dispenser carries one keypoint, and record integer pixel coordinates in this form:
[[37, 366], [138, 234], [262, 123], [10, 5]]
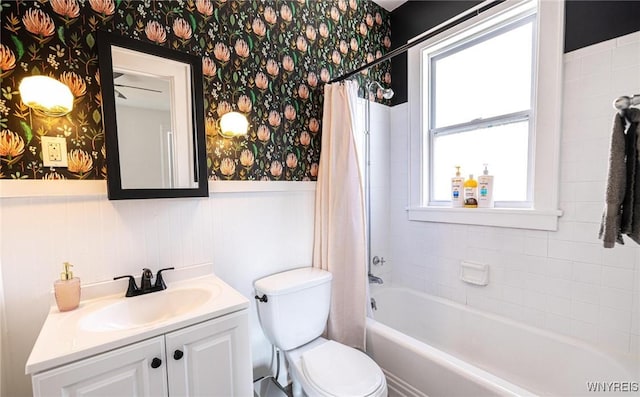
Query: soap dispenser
[[485, 189], [67, 290], [457, 183]]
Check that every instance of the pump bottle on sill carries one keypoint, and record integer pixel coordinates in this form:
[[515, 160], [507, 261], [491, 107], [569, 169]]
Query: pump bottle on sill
[[485, 189], [457, 182], [470, 193]]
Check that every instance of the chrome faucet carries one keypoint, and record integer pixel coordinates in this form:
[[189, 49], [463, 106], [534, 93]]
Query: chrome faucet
[[145, 283], [375, 280]]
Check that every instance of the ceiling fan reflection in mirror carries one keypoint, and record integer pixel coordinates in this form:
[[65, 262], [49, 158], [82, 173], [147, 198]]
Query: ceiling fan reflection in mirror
[[120, 94]]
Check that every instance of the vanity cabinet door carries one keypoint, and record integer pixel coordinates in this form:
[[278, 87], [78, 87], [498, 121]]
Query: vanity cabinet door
[[211, 359], [136, 370]]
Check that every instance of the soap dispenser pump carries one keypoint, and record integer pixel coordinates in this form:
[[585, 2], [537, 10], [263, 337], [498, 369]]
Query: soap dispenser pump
[[457, 182], [67, 290], [485, 189]]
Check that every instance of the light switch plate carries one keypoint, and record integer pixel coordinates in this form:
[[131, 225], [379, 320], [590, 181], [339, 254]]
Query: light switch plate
[[54, 151]]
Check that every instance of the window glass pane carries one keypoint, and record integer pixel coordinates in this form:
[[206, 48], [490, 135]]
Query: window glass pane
[[503, 148], [488, 79]]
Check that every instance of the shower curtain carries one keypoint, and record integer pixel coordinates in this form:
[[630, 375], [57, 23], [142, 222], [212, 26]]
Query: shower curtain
[[339, 238]]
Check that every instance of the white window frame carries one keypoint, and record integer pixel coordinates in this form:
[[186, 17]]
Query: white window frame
[[545, 121], [442, 51]]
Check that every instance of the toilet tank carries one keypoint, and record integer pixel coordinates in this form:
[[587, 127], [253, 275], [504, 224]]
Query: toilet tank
[[297, 306]]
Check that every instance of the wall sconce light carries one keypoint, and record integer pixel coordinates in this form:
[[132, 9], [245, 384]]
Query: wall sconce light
[[233, 124], [46, 95]]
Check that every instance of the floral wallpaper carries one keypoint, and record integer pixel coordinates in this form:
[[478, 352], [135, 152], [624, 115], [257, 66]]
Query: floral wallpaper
[[267, 59]]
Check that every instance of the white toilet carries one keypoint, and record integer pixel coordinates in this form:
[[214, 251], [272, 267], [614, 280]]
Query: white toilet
[[293, 308]]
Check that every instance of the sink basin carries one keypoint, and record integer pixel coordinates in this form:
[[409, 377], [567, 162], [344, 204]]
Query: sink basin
[[145, 310], [106, 320]]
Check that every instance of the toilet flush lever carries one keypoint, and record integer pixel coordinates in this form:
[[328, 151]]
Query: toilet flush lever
[[262, 298]]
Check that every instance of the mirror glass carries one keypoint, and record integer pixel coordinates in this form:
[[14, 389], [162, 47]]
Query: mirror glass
[[156, 128], [152, 115]]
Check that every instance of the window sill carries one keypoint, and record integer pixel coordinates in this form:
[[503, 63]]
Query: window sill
[[519, 218]]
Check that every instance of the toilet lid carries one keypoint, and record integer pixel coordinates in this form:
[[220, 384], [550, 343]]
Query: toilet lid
[[338, 370]]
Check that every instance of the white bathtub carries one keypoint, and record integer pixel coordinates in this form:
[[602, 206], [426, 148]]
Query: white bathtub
[[430, 346]]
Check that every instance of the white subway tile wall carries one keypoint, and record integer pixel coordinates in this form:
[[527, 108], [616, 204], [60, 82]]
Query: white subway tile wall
[[563, 281], [380, 179]]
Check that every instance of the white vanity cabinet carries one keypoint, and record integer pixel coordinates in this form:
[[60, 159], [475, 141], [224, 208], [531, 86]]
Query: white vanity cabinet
[[126, 371], [210, 358]]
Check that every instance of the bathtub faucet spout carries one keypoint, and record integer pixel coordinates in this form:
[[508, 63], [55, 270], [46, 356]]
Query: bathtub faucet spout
[[375, 280]]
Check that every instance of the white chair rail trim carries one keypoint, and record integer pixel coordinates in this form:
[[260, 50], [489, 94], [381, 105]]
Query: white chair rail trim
[[10, 188]]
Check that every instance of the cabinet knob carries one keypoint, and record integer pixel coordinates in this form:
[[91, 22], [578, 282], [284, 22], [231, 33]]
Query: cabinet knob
[[156, 362], [177, 355]]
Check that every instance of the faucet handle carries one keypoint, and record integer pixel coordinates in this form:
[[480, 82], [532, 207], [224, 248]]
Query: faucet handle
[[159, 280], [132, 289], [145, 281], [379, 260]]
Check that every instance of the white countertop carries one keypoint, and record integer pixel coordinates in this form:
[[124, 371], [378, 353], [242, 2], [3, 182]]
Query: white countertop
[[62, 340]]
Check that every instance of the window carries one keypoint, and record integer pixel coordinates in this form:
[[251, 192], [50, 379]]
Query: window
[[493, 74], [480, 101]]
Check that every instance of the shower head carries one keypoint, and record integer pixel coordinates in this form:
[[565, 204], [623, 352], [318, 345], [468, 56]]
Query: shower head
[[387, 93]]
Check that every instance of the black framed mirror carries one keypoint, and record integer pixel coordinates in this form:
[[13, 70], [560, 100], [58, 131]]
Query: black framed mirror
[[153, 120]]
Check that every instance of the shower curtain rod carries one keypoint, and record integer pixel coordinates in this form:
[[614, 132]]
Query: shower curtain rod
[[462, 18], [625, 102]]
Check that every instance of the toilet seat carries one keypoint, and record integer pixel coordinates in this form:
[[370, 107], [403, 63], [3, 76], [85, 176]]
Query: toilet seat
[[334, 369]]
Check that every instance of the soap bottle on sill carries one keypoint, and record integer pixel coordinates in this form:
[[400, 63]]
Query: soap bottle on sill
[[457, 187], [471, 193], [67, 290], [485, 189]]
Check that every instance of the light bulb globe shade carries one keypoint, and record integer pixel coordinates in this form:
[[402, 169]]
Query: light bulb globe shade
[[46, 95], [233, 124]]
